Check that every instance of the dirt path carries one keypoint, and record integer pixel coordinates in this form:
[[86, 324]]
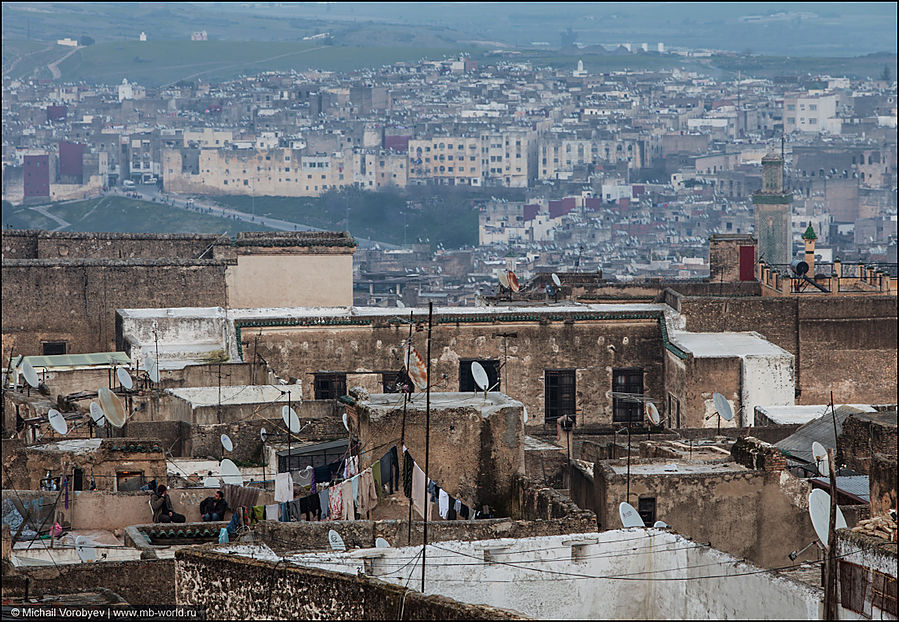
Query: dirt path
[[54, 66], [24, 56]]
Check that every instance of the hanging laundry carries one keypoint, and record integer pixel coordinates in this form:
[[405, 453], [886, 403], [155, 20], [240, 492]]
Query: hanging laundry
[[418, 490], [451, 509], [309, 506], [376, 476], [368, 494], [296, 513], [354, 482], [257, 514], [433, 489], [408, 463], [283, 487], [352, 467], [285, 512], [443, 504], [304, 478], [346, 494], [390, 470], [335, 502], [322, 474], [323, 502], [272, 511], [240, 496], [336, 467], [463, 512]]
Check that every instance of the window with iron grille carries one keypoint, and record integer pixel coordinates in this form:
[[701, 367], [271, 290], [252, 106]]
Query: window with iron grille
[[49, 348], [560, 397], [646, 508], [627, 381], [330, 386], [393, 381]]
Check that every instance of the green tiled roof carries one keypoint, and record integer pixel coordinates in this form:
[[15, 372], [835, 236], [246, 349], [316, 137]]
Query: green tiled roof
[[79, 360]]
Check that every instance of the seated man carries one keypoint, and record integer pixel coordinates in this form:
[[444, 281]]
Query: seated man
[[214, 508], [162, 507]]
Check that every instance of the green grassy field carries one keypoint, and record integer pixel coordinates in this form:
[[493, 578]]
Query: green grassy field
[[161, 62], [123, 215]]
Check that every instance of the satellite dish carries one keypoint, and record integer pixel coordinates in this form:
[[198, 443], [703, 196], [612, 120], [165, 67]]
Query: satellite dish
[[226, 443], [418, 371], [112, 407], [152, 368], [263, 435], [97, 414], [556, 280], [660, 525], [723, 406], [230, 473], [345, 422], [30, 375], [653, 413], [503, 277], [819, 510], [124, 378], [819, 455], [289, 415], [399, 303], [336, 541], [479, 375], [57, 421], [629, 516], [513, 281], [85, 549], [524, 413], [211, 482], [381, 543]]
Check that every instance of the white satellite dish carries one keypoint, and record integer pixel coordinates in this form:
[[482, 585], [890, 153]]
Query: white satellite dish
[[30, 375], [503, 277], [660, 525], [263, 435], [112, 407], [346, 423], [819, 455], [723, 406], [211, 482], [85, 549], [480, 375], [819, 510], [57, 421], [152, 368], [524, 413], [399, 303], [289, 415], [226, 443], [556, 280], [230, 473], [381, 543], [336, 541], [124, 378], [97, 414], [653, 413], [629, 516]]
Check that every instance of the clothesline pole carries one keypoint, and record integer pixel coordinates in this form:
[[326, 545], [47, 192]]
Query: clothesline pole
[[406, 388], [427, 447]]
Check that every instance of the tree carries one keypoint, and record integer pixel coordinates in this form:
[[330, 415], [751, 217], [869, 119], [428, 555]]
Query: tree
[[886, 75], [85, 40]]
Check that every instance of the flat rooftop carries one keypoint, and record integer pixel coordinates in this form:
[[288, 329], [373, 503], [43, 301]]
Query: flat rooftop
[[803, 413], [238, 394], [726, 345], [382, 404], [679, 467]]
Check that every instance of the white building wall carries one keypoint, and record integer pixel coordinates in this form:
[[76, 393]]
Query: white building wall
[[767, 381]]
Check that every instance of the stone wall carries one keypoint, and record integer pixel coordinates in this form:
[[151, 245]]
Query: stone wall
[[758, 455], [234, 588], [883, 478], [863, 436]]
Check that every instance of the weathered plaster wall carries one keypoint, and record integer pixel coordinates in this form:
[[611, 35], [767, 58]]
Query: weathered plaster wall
[[766, 381], [289, 280]]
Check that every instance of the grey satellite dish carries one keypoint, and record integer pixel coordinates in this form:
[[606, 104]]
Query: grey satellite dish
[[85, 549], [723, 406], [97, 414], [336, 541], [524, 413], [629, 516], [124, 378], [346, 423], [503, 278], [660, 525], [819, 455], [381, 543], [58, 422], [226, 443], [263, 435], [819, 510], [211, 482], [230, 473], [112, 407], [653, 413], [152, 368], [30, 375], [556, 280], [479, 375], [290, 418], [399, 303]]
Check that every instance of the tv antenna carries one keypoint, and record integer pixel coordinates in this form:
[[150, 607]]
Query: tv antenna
[[97, 416], [152, 368], [629, 515], [503, 278]]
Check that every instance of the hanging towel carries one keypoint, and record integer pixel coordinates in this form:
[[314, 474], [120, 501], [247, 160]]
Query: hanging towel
[[352, 467], [258, 513], [310, 508], [443, 503], [285, 512], [296, 512], [418, 489], [376, 477], [451, 510], [323, 502], [335, 502], [283, 487], [408, 462], [390, 469], [433, 489], [303, 478], [240, 496], [346, 493], [354, 481], [272, 512], [368, 495]]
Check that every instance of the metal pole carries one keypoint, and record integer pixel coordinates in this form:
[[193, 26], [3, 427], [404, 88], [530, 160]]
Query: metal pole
[[427, 448], [831, 610], [628, 498], [833, 414], [289, 421], [403, 429]]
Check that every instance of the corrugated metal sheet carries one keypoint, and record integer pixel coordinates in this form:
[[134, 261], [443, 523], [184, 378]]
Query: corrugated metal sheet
[[56, 361], [799, 444], [857, 485]]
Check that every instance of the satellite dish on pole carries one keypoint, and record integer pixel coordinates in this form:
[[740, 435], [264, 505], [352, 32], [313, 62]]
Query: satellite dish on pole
[[57, 421], [513, 281], [819, 510], [524, 413], [112, 407], [381, 543], [653, 413], [230, 473], [289, 415], [30, 375], [124, 378], [503, 277], [97, 414], [556, 280], [336, 541], [629, 516], [723, 406], [819, 455], [346, 422], [480, 375], [211, 482], [226, 443], [152, 368], [85, 549], [263, 435], [418, 371], [399, 303], [660, 525]]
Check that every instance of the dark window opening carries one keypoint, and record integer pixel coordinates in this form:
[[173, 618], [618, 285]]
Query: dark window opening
[[315, 455], [53, 347], [78, 480], [646, 508], [330, 386], [129, 480], [466, 380], [627, 381], [393, 381], [559, 397]]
